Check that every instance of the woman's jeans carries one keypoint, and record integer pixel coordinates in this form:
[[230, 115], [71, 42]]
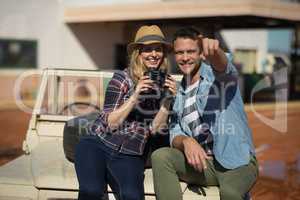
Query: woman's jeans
[[96, 165]]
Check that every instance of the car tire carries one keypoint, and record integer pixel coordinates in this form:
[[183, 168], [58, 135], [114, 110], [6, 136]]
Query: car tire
[[73, 130]]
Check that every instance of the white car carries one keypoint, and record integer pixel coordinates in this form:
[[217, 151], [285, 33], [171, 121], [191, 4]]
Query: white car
[[43, 172]]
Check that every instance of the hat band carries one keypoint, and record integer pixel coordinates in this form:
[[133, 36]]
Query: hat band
[[151, 37]]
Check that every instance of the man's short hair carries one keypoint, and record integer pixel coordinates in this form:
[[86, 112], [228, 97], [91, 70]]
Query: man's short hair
[[186, 32]]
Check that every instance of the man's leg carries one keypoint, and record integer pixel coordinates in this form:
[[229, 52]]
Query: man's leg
[[234, 184], [169, 165]]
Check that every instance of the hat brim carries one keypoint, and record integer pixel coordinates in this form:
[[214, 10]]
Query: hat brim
[[136, 45]]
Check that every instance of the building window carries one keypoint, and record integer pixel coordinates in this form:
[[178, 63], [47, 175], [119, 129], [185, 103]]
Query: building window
[[121, 59], [247, 59], [17, 54]]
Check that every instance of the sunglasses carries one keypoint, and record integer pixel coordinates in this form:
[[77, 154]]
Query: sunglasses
[[150, 48]]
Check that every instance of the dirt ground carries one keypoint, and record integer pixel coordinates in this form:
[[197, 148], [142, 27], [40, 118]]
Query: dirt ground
[[13, 125], [278, 153]]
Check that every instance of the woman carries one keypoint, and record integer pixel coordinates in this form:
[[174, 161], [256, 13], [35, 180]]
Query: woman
[[113, 153]]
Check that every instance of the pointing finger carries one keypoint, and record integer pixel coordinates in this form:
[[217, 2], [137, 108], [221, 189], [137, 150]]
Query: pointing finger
[[205, 46], [211, 47], [200, 40], [216, 45]]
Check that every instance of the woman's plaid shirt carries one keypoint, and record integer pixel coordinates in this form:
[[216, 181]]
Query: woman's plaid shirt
[[131, 136]]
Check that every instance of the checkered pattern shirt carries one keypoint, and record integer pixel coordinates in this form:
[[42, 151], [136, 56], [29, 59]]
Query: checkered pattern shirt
[[131, 136]]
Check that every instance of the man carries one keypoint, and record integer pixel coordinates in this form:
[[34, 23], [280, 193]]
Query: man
[[210, 138]]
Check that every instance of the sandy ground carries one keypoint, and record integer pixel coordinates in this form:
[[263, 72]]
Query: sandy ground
[[278, 153], [13, 125]]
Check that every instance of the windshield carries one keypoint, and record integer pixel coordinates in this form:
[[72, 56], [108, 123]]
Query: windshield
[[73, 95]]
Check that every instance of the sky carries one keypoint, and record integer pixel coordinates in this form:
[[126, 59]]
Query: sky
[[279, 40]]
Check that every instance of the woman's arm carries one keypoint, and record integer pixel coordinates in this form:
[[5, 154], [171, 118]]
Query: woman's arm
[[160, 120], [117, 116]]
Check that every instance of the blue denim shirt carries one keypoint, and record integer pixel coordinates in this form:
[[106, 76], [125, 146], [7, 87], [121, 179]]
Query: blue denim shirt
[[220, 105]]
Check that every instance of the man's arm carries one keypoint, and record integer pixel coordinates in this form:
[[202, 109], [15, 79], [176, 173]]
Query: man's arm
[[193, 151], [212, 52]]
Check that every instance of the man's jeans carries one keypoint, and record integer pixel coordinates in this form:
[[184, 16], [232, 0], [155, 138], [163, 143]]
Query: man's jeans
[[169, 164], [96, 165]]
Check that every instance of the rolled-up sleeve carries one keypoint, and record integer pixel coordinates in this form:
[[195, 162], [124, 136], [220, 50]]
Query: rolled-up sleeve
[[175, 131], [230, 68], [175, 128], [114, 95]]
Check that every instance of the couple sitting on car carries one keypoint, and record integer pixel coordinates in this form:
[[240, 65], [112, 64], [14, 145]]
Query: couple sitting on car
[[139, 106]]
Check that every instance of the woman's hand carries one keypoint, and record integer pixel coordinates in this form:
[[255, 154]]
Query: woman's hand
[[170, 84], [144, 84], [117, 117]]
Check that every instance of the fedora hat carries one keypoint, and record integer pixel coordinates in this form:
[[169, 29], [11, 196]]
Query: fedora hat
[[148, 35]]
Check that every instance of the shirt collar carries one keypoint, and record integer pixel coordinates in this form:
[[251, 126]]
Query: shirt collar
[[182, 86]]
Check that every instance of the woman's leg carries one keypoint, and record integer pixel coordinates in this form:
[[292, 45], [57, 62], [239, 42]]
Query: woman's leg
[[90, 168], [126, 176]]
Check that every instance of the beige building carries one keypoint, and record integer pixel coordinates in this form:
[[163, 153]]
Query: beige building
[[93, 34], [90, 34]]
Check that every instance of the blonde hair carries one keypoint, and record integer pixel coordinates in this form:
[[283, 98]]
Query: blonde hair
[[137, 67]]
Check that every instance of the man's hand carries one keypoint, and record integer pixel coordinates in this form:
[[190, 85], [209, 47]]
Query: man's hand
[[213, 53], [195, 154], [208, 46]]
